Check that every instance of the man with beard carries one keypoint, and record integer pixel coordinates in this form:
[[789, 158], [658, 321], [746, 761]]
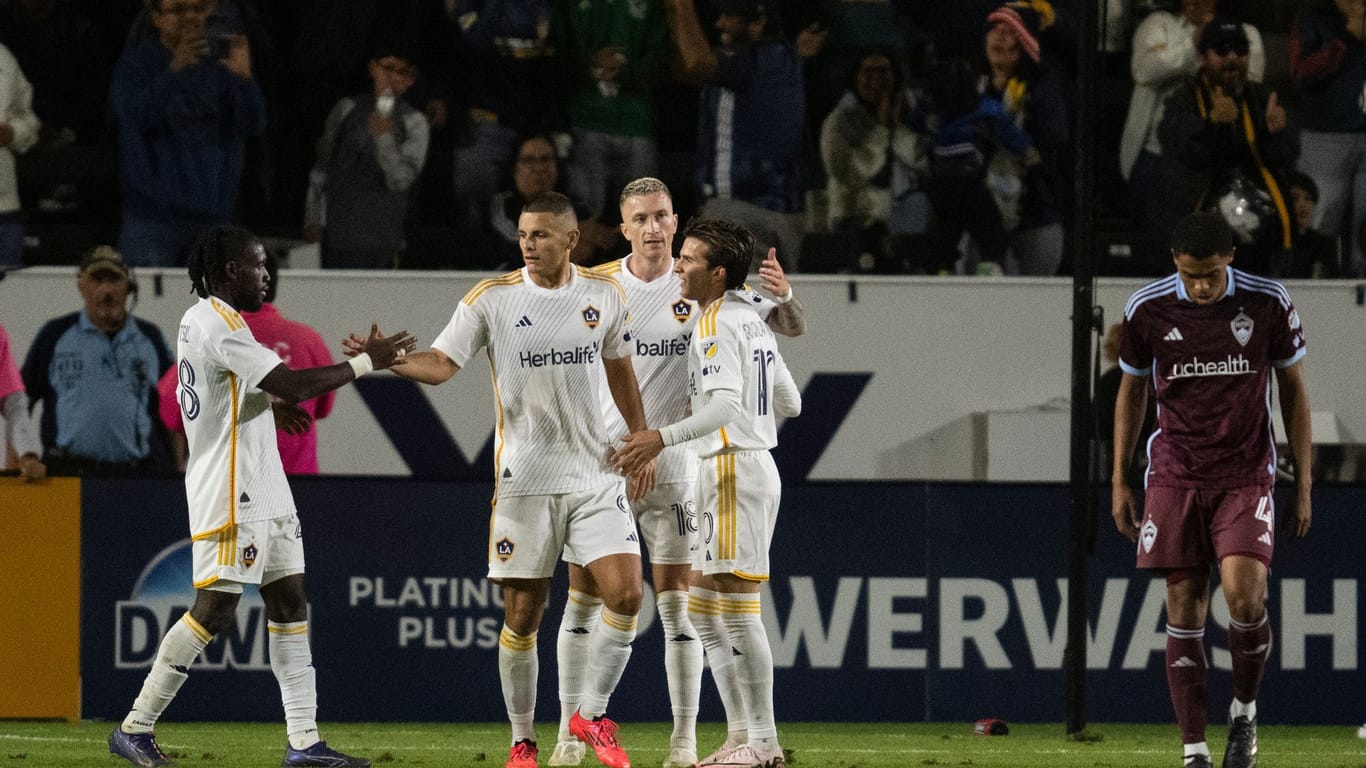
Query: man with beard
[[95, 372], [243, 522], [1230, 139]]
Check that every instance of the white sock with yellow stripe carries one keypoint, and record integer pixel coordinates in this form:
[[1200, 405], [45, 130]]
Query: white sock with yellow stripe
[[609, 648], [291, 659], [571, 652], [178, 650], [704, 609], [518, 664], [753, 664], [682, 665]]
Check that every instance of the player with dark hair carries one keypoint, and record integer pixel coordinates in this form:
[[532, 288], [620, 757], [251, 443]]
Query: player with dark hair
[[243, 522], [738, 383], [550, 329], [662, 323], [1209, 337]]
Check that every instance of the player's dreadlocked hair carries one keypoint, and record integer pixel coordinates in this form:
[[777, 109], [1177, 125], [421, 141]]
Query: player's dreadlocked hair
[[214, 248], [728, 244]]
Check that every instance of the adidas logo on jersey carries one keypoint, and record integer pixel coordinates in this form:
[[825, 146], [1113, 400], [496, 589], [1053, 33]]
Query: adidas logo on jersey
[[525, 322], [1265, 538], [244, 498], [1174, 335], [1184, 661]]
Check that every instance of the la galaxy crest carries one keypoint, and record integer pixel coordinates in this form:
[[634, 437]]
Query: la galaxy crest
[[504, 548], [592, 316], [682, 310], [249, 553]]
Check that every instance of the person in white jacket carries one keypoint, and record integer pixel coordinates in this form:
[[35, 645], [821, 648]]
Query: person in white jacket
[[18, 131], [1164, 52]]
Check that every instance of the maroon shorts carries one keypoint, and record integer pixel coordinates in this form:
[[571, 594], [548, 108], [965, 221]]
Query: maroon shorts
[[1190, 528]]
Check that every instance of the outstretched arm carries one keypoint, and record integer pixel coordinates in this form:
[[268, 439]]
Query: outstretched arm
[[377, 352]]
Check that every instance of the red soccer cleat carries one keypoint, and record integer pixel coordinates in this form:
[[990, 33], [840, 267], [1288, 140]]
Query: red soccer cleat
[[522, 754], [600, 734]]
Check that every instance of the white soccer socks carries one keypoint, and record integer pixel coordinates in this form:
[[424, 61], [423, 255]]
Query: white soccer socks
[[754, 666], [609, 648], [178, 650], [682, 665], [704, 609], [571, 652], [291, 659], [517, 668]]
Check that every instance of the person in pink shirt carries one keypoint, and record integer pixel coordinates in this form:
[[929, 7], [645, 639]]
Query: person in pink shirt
[[19, 434], [299, 346]]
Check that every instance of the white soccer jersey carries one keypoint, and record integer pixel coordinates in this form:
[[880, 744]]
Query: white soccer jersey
[[234, 473], [734, 349], [544, 348], [662, 323]]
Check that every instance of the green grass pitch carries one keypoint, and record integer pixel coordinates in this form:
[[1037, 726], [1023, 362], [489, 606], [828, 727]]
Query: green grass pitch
[[809, 745]]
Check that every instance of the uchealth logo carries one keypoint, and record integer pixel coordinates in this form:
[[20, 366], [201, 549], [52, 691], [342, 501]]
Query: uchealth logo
[[163, 592]]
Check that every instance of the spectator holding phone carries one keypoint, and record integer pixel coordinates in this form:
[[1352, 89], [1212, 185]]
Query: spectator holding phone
[[184, 107]]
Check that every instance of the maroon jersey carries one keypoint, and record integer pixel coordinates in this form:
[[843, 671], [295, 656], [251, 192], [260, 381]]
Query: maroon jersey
[[1211, 365]]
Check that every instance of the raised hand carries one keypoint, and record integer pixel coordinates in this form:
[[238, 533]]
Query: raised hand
[[385, 351], [772, 278], [1223, 109], [1275, 115]]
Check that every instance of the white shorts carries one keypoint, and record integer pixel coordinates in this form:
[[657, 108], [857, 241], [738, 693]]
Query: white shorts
[[667, 519], [248, 553], [737, 502], [527, 534]]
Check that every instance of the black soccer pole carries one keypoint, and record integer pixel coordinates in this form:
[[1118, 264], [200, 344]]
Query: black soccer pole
[[1083, 298]]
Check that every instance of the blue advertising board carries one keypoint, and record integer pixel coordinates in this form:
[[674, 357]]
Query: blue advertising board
[[888, 602]]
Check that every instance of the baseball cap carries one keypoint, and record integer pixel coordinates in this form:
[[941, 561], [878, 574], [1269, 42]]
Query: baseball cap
[[1223, 35], [103, 259]]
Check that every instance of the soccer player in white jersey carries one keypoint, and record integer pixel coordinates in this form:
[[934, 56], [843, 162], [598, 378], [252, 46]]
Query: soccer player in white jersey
[[243, 522], [548, 329], [662, 323], [738, 383]]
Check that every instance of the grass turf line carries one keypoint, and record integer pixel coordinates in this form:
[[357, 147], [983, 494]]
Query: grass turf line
[[810, 745]]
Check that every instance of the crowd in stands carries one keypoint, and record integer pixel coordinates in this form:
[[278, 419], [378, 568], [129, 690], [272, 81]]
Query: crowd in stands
[[895, 137]]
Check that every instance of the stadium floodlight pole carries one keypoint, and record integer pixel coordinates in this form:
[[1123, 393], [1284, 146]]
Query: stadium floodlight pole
[[1082, 506]]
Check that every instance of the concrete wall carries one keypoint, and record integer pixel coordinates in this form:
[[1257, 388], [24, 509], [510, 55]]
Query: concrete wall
[[939, 349]]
